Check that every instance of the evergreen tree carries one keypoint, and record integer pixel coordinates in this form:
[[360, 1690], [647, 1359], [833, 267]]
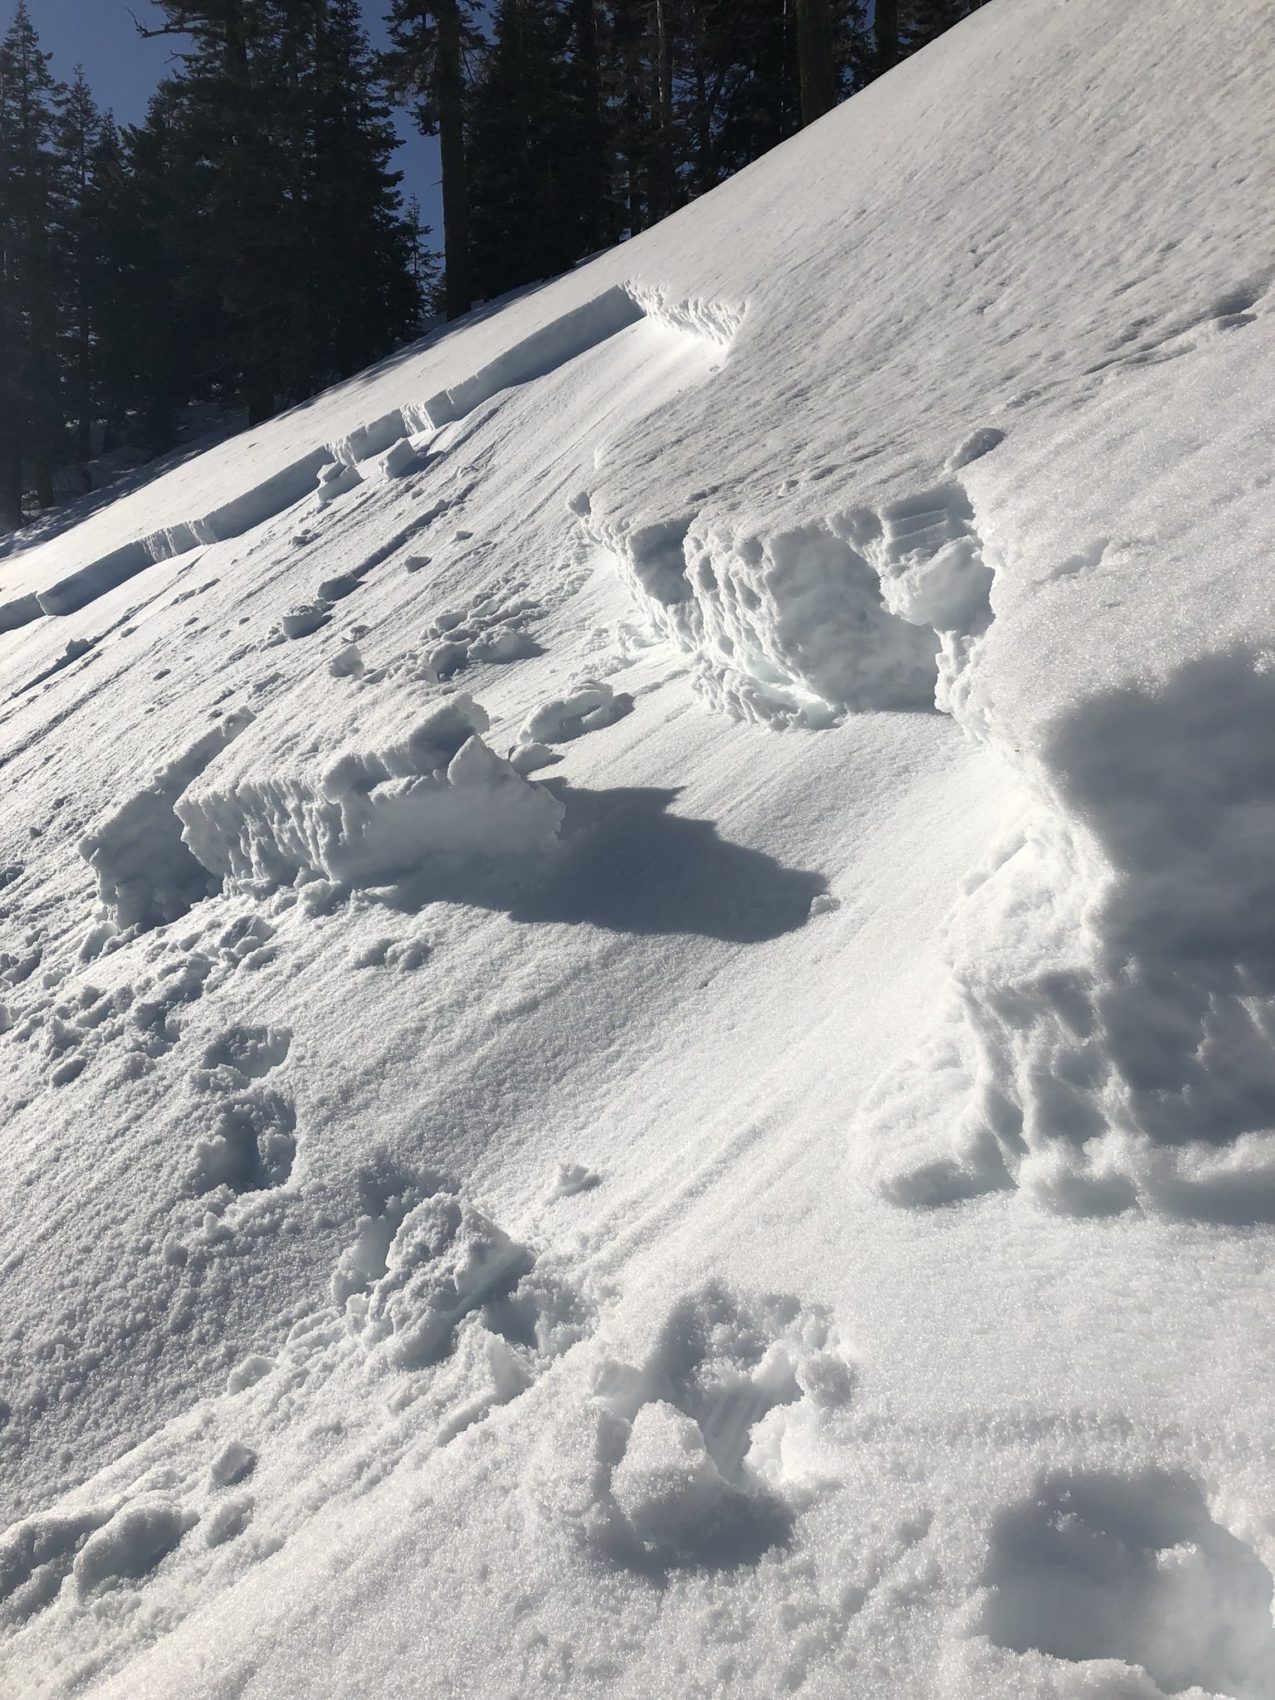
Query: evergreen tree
[[277, 143], [78, 131], [537, 153], [923, 20], [109, 221], [30, 415], [423, 263], [357, 298], [739, 94], [425, 67], [587, 166], [816, 58], [170, 332], [886, 30]]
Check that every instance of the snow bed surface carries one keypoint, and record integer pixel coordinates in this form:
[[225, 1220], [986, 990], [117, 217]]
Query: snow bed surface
[[638, 965]]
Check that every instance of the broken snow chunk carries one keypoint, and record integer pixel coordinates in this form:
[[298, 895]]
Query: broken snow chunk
[[390, 804], [232, 1464], [248, 1372], [347, 663], [591, 705], [336, 480], [338, 587], [980, 443], [427, 748], [146, 875], [528, 758], [228, 1520], [401, 459], [475, 764], [307, 617], [501, 644], [131, 1544], [446, 1260], [667, 1484], [572, 1178]]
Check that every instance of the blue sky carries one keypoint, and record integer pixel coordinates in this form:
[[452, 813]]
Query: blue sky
[[123, 70]]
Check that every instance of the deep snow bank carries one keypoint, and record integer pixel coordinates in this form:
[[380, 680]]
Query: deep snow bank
[[1113, 1007]]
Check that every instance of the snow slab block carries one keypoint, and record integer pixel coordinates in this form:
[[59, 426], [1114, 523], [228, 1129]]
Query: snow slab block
[[405, 785]]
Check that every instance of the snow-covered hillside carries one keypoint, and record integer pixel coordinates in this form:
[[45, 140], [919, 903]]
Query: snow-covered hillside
[[638, 1039]]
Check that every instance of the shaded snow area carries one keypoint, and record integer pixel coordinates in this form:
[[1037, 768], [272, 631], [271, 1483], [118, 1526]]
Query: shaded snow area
[[637, 954]]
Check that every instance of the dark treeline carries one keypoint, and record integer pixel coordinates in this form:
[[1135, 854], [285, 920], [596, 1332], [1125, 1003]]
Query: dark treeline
[[247, 243], [567, 125]]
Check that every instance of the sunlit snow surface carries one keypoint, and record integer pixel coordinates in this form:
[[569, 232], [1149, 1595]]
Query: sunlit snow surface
[[638, 967]]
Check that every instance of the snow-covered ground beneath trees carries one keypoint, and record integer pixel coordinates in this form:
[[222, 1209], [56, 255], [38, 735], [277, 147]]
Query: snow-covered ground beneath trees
[[638, 1039]]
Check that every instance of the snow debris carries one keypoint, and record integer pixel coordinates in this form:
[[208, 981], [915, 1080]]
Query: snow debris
[[572, 1178], [401, 460], [145, 873], [444, 1261], [228, 1520], [336, 479], [131, 1544], [36, 1556], [372, 813], [232, 1464], [248, 1372], [592, 705], [305, 618]]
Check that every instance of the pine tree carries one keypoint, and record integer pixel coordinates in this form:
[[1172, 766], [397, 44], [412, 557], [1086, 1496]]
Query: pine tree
[[30, 414], [276, 144], [223, 142], [741, 91], [363, 299], [886, 30], [817, 59], [109, 220], [169, 346], [587, 166], [78, 131], [423, 263], [923, 20], [425, 67]]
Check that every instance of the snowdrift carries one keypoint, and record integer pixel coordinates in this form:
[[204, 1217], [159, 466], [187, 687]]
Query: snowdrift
[[637, 988]]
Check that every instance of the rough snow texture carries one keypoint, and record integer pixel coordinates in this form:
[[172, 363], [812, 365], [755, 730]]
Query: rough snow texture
[[368, 816], [145, 872], [466, 1221]]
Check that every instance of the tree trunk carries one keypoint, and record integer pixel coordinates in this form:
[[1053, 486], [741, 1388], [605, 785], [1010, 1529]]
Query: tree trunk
[[886, 29], [83, 389], [451, 135], [815, 58], [10, 490], [664, 174]]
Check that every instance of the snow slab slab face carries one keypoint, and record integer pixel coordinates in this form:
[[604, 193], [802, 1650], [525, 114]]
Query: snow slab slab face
[[636, 1003]]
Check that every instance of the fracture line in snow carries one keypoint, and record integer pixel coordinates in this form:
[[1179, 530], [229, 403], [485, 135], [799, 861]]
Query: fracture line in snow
[[332, 469]]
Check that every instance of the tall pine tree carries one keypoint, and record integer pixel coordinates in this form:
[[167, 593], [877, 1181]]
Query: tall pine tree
[[425, 66], [77, 133], [279, 146], [30, 404]]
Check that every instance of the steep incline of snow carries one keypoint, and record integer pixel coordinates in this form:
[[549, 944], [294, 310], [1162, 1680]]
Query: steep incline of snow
[[637, 990]]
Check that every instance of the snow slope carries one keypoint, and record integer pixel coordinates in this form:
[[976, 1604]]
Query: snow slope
[[638, 978]]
